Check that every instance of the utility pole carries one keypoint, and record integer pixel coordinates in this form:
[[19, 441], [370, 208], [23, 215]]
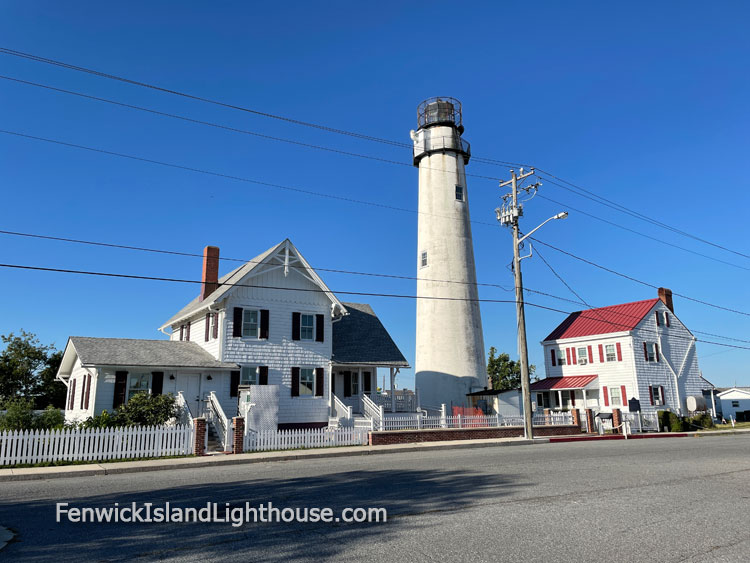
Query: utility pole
[[509, 214]]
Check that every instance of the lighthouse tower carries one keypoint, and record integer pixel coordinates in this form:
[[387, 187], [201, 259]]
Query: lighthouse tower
[[450, 346]]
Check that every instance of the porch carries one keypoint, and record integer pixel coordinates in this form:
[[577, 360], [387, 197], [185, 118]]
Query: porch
[[565, 393], [353, 388]]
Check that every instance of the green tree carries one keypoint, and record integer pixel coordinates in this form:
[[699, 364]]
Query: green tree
[[28, 369], [504, 372]]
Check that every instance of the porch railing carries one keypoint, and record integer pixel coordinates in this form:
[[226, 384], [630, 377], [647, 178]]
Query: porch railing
[[216, 417], [372, 411], [404, 403], [340, 410], [184, 416]]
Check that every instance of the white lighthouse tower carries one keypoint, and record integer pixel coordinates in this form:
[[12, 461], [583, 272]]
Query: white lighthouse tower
[[450, 345]]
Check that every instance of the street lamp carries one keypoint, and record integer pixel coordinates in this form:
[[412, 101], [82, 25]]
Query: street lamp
[[509, 215]]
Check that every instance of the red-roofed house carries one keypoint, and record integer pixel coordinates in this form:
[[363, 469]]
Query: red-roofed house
[[602, 358]]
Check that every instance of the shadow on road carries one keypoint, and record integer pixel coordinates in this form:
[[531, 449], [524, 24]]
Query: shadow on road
[[400, 492]]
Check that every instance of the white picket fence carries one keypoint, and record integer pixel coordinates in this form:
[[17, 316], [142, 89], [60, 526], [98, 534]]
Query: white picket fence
[[310, 438], [94, 444]]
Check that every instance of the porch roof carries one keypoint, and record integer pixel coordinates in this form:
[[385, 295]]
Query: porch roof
[[563, 383], [359, 338]]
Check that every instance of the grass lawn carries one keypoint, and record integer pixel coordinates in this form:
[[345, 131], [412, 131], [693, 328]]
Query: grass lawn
[[737, 426]]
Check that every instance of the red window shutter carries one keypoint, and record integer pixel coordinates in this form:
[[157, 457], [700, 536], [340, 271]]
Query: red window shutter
[[264, 322], [263, 375], [319, 327], [208, 326], [296, 323], [645, 351], [552, 357], [234, 383], [237, 323], [651, 394], [601, 353], [657, 314], [319, 381], [295, 381], [573, 352], [567, 353], [663, 396], [83, 391], [606, 396], [666, 317], [656, 349], [619, 352], [72, 395], [572, 398], [624, 396], [591, 355], [216, 326]]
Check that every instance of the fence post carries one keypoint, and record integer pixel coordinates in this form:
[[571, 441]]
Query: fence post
[[590, 420], [443, 417], [459, 420], [239, 435], [199, 446], [576, 418]]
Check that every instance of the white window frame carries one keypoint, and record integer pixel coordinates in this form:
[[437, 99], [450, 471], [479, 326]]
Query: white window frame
[[257, 323], [612, 401], [303, 389], [252, 373], [582, 359], [658, 399], [132, 391], [610, 357], [212, 325], [303, 328], [459, 192], [423, 259], [651, 352], [560, 354]]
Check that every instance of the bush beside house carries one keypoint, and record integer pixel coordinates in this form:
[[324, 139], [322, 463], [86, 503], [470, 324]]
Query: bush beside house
[[675, 423]]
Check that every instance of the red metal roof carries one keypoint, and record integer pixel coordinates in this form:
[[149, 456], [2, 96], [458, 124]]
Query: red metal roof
[[570, 382], [615, 318]]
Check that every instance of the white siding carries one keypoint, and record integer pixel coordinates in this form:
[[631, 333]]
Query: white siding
[[280, 353], [742, 397], [198, 333], [78, 374]]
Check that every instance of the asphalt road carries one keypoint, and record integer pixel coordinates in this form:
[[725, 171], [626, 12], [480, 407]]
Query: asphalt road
[[682, 499]]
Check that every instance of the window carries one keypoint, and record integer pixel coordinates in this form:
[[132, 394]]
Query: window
[[459, 193], [249, 323], [735, 404], [306, 381], [614, 396], [542, 400], [355, 383], [611, 355], [139, 383], [560, 357], [658, 397], [423, 259], [651, 353], [214, 325], [307, 324], [582, 356], [666, 318], [249, 375]]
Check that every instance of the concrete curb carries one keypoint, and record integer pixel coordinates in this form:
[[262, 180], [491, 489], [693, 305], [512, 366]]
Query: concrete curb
[[96, 469]]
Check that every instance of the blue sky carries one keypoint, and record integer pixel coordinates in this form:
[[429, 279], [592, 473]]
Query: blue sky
[[643, 103]]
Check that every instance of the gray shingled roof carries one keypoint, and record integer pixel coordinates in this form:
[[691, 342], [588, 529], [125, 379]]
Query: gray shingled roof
[[133, 352], [360, 338]]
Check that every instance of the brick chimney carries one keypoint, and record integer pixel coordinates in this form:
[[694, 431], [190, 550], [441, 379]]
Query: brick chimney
[[210, 271], [666, 296]]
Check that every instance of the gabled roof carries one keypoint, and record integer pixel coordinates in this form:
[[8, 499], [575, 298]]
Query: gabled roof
[[604, 320], [136, 353], [731, 390], [360, 338], [228, 281], [570, 382]]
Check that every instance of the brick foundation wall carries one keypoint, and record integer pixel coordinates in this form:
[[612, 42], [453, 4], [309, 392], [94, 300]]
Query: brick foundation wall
[[411, 436]]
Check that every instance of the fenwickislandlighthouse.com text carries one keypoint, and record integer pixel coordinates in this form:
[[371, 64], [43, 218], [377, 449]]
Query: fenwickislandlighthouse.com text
[[213, 512]]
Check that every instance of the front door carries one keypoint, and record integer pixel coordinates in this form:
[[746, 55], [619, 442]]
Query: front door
[[190, 385]]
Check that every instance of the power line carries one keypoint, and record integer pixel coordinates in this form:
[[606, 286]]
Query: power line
[[251, 261], [230, 128], [359, 293]]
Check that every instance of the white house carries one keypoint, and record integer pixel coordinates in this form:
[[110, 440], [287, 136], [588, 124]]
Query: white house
[[602, 358], [735, 403], [271, 321]]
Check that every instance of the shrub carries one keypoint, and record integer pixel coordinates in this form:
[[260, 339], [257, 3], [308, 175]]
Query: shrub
[[673, 422], [703, 420], [20, 415], [49, 418], [140, 410]]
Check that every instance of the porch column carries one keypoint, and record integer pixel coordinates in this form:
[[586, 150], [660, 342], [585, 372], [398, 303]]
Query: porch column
[[559, 399], [585, 402], [360, 387], [393, 395]]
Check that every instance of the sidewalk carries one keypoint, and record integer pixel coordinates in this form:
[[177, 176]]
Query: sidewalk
[[29, 473]]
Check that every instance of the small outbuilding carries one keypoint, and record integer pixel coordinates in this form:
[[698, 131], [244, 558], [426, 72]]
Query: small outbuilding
[[735, 403]]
